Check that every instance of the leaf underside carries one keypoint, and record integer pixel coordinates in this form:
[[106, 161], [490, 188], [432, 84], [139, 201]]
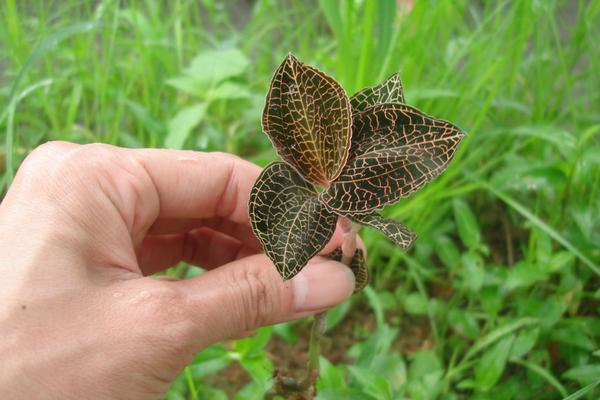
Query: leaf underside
[[394, 230], [396, 149], [308, 119], [390, 91], [288, 218], [358, 266]]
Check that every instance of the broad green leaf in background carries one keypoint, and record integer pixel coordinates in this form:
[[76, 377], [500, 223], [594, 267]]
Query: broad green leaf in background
[[390, 91], [181, 125], [210, 361], [254, 344], [188, 85], [378, 345], [372, 383], [425, 374], [395, 150], [307, 117], [472, 272], [466, 224], [492, 364], [415, 303], [213, 66], [584, 374], [229, 91], [330, 376], [286, 216], [524, 342]]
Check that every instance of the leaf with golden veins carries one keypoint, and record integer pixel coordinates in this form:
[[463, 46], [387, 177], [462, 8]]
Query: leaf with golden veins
[[308, 119], [395, 231], [358, 265], [288, 218], [396, 149], [390, 91]]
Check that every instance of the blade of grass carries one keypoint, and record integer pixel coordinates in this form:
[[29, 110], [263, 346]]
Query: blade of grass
[[583, 391], [544, 373]]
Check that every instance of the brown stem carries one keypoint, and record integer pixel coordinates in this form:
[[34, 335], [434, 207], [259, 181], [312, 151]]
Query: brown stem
[[349, 242]]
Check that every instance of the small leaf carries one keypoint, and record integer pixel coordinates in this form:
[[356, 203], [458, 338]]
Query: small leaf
[[395, 150], [210, 361], [230, 91], [288, 219], [181, 125], [213, 66], [415, 303], [390, 91], [330, 376], [467, 224], [584, 374], [372, 383], [395, 231], [186, 84], [358, 266], [307, 117], [491, 365]]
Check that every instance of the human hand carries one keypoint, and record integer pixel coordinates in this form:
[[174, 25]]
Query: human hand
[[82, 227]]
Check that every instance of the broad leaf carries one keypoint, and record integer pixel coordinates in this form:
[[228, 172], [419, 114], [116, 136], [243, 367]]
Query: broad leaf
[[358, 265], [288, 219], [182, 124], [396, 149], [390, 91], [307, 117], [213, 66], [395, 231]]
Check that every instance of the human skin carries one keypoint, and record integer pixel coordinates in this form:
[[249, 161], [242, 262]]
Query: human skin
[[81, 229]]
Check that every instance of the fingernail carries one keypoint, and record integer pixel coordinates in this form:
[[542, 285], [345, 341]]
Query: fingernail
[[322, 284]]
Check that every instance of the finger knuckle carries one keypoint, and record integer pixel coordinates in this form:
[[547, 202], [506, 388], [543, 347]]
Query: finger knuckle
[[164, 310], [255, 291], [222, 154], [44, 158]]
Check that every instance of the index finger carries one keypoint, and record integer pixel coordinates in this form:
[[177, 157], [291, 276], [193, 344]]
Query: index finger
[[199, 185]]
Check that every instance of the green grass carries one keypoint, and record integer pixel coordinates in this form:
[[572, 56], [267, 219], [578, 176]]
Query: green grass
[[504, 279]]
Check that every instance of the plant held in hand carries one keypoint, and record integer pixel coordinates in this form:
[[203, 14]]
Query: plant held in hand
[[343, 159]]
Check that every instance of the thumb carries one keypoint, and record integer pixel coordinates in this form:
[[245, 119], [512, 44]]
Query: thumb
[[248, 293]]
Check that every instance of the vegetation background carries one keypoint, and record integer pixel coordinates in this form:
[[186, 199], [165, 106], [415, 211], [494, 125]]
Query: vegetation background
[[500, 296]]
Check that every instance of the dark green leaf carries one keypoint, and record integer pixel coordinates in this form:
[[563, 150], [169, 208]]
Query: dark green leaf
[[584, 374], [394, 230], [372, 383], [396, 149], [415, 303], [181, 125], [210, 361], [307, 117], [390, 91], [466, 223], [492, 364], [288, 219], [358, 266], [330, 376]]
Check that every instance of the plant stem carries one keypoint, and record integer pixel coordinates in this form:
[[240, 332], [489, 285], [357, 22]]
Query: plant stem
[[314, 350], [320, 320], [349, 242]]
